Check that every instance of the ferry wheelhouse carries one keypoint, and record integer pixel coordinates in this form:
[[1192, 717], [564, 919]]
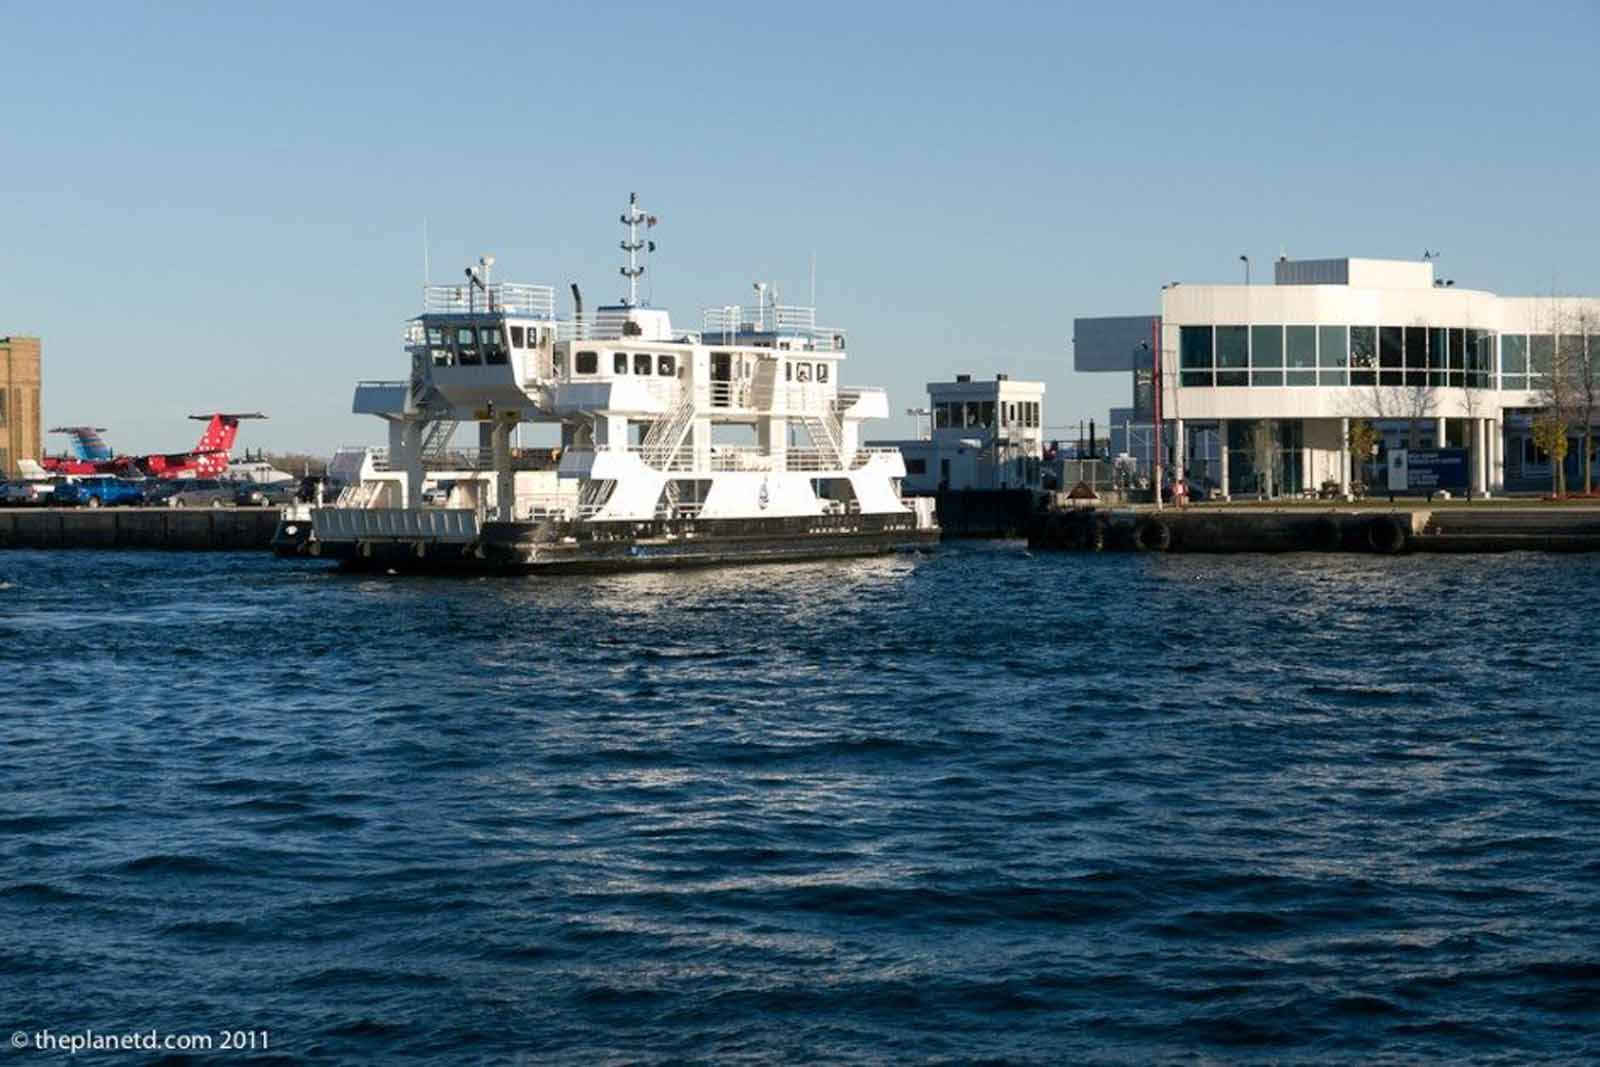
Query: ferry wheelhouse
[[644, 475]]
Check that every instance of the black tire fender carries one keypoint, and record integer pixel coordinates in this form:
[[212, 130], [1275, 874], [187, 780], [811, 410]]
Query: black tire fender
[[1153, 535], [1386, 535]]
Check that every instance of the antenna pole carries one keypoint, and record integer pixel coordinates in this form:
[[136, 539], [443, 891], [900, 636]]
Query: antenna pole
[[632, 245]]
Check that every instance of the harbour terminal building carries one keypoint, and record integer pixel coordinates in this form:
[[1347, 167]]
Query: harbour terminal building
[[984, 435], [1260, 383]]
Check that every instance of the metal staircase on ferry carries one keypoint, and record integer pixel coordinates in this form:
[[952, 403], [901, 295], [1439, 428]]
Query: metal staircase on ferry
[[360, 496], [436, 440], [659, 449], [827, 435]]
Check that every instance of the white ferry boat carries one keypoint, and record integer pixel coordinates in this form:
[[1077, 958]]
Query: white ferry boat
[[734, 443]]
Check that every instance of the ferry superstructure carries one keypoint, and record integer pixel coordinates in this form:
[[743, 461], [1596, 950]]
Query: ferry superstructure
[[641, 478]]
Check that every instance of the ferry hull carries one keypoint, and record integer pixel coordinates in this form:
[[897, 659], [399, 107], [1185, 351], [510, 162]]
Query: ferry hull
[[537, 548]]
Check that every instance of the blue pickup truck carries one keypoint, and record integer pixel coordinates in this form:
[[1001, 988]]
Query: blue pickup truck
[[98, 492]]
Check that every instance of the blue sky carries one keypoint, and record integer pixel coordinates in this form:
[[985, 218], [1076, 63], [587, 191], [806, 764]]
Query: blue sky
[[222, 205]]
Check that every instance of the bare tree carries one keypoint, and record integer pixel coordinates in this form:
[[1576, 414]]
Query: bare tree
[[296, 462], [1585, 367], [1558, 390], [1412, 404], [1265, 454]]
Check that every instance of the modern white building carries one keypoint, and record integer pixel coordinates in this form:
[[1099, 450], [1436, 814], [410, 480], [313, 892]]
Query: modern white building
[[986, 434], [1263, 381]]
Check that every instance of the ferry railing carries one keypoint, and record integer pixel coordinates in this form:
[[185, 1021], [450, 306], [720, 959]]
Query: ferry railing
[[826, 459], [539, 506], [683, 510], [476, 460], [574, 329], [729, 394], [740, 458], [759, 318], [811, 459], [827, 339], [512, 298], [787, 320], [808, 397], [863, 456]]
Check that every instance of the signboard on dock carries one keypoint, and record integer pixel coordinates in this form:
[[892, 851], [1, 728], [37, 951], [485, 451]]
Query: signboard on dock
[[1427, 470]]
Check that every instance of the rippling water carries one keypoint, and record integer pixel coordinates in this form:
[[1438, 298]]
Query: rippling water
[[981, 805]]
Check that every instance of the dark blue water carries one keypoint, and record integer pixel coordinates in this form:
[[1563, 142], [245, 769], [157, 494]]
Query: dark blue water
[[975, 806]]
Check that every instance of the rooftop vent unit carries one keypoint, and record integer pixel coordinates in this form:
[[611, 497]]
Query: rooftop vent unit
[[963, 377]]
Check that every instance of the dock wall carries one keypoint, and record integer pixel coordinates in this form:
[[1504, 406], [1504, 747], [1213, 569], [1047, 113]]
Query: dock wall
[[985, 512], [1378, 531], [170, 529]]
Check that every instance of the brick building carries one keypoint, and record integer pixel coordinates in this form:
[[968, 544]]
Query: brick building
[[20, 380]]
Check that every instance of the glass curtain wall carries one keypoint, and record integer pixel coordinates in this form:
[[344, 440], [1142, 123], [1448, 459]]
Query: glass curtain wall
[[1264, 457], [1414, 357], [1233, 355]]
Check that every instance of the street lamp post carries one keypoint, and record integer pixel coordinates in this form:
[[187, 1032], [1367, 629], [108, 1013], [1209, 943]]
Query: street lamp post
[[1246, 261]]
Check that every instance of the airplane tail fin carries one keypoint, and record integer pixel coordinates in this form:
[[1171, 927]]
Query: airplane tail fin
[[87, 444], [222, 428]]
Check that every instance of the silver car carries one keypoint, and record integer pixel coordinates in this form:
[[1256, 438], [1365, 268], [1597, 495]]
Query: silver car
[[201, 493], [30, 493]]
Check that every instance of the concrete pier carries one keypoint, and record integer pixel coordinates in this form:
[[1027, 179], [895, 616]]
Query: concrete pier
[[1382, 531], [170, 529]]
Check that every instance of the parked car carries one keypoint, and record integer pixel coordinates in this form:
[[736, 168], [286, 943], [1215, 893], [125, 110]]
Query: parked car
[[31, 493], [98, 492], [199, 493], [264, 494], [438, 494], [309, 485]]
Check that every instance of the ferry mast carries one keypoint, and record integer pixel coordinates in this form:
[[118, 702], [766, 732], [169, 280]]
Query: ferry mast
[[633, 246]]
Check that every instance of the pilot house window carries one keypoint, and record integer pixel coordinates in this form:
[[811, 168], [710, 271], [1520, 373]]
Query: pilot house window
[[516, 337], [619, 363], [467, 346], [822, 372], [641, 363], [494, 345], [586, 363], [666, 366]]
